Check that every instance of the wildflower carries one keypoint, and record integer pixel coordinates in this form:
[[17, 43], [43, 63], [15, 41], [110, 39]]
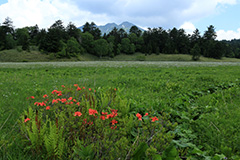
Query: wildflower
[[146, 114], [70, 98], [114, 122], [63, 86], [48, 107], [102, 117], [77, 114], [75, 85], [114, 112], [89, 89], [78, 89], [115, 89], [78, 103], [54, 101], [154, 119], [74, 100], [92, 112], [44, 96], [42, 104], [104, 113], [54, 91], [83, 87], [27, 119], [85, 120], [32, 97], [90, 123], [113, 127], [60, 94], [63, 100], [139, 116]]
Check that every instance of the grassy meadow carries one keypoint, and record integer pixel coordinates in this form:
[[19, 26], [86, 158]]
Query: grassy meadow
[[201, 97]]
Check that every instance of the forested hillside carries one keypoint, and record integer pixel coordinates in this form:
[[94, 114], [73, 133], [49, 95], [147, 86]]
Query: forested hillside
[[69, 41]]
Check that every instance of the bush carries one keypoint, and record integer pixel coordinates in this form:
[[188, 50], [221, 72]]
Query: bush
[[141, 58], [79, 122]]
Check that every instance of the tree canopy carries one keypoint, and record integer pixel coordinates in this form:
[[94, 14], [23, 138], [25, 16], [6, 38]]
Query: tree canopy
[[70, 41]]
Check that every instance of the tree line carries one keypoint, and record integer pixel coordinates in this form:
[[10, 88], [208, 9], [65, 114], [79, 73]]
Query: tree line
[[70, 41]]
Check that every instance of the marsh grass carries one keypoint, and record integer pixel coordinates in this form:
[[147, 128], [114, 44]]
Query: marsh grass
[[165, 86]]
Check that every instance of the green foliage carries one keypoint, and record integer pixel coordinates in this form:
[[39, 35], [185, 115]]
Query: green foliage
[[196, 52], [202, 99], [73, 47], [170, 153], [127, 47], [101, 47], [140, 151], [86, 116], [81, 152], [141, 58], [23, 38], [87, 41]]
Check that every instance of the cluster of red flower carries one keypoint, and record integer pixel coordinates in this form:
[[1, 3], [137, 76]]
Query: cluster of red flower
[[139, 116]]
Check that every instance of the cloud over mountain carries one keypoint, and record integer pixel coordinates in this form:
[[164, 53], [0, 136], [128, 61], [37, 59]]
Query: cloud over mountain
[[151, 13]]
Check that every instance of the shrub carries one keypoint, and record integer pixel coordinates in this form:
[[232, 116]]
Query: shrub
[[77, 123], [141, 58]]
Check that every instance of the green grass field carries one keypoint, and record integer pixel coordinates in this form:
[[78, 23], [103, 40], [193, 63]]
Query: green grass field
[[202, 97], [16, 55]]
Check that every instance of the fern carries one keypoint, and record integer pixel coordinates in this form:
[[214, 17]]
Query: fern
[[54, 141]]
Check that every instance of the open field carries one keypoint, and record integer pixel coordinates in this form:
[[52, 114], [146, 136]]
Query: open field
[[35, 55], [202, 97]]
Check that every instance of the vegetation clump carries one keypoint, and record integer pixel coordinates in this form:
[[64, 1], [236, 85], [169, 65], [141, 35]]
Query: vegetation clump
[[79, 123]]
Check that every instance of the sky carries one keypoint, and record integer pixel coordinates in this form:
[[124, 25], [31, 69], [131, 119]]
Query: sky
[[186, 14]]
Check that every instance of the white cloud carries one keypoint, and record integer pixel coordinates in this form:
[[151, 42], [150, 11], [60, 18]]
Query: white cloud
[[232, 2], [228, 35], [151, 13], [188, 27], [45, 13]]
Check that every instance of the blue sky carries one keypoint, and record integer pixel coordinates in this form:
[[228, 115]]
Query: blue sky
[[186, 14]]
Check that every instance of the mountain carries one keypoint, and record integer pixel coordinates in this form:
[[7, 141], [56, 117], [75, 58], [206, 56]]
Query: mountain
[[109, 27]]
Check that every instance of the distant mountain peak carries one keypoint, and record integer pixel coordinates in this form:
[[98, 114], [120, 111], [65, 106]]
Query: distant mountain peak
[[110, 26]]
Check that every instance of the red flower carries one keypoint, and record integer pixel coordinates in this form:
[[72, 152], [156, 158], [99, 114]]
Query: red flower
[[44, 96], [42, 104], [154, 119], [104, 113], [32, 97], [27, 119], [76, 85], [146, 114], [78, 103], [70, 98], [89, 89], [54, 91], [92, 112], [63, 86], [59, 94], [78, 89], [139, 116], [83, 87], [77, 114], [48, 107], [114, 122], [74, 100], [113, 127], [115, 89], [102, 117], [63, 100], [54, 101]]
